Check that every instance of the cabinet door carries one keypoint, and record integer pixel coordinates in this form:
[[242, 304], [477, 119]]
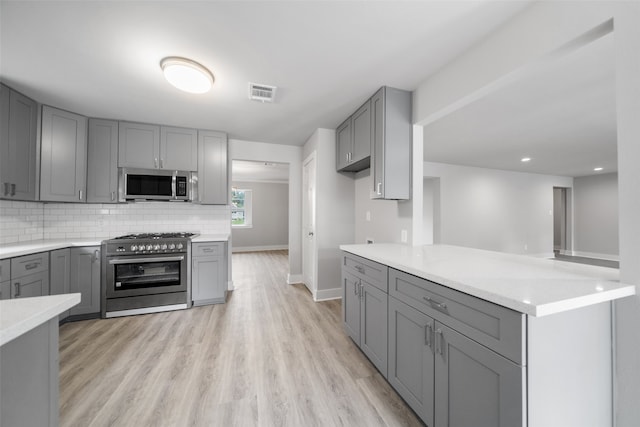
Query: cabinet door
[[85, 279], [138, 145], [213, 186], [60, 274], [5, 290], [474, 385], [18, 145], [178, 148], [102, 161], [351, 305], [208, 284], [34, 285], [343, 145], [63, 167], [377, 146], [373, 325], [411, 358], [362, 133]]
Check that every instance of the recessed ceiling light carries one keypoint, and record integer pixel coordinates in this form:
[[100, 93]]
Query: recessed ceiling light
[[598, 169], [525, 159], [187, 75]]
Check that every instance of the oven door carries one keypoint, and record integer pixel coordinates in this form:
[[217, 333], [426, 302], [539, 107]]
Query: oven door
[[144, 275]]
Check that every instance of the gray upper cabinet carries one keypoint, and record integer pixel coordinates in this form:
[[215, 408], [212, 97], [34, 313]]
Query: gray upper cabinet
[[213, 187], [392, 133], [353, 141], [102, 161], [63, 167], [85, 279], [178, 148], [18, 146], [139, 145], [148, 146]]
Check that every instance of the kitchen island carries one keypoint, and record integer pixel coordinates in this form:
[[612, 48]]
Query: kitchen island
[[474, 337], [29, 359]]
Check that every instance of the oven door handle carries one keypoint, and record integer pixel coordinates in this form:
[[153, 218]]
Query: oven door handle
[[154, 259]]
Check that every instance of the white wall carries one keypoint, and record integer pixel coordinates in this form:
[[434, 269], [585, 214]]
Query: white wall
[[595, 201], [540, 29], [269, 215], [260, 151], [493, 209], [334, 211]]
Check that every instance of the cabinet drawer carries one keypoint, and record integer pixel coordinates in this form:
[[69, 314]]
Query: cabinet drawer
[[370, 271], [29, 264], [208, 249], [5, 270], [499, 328]]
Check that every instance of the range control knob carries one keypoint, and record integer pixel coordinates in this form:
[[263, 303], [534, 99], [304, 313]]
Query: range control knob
[[163, 247], [156, 247], [149, 247], [172, 246], [180, 246], [134, 248]]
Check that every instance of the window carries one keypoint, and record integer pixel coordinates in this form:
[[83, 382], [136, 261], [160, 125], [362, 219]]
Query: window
[[241, 208]]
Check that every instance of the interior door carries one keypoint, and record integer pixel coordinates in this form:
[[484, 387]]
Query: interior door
[[309, 224]]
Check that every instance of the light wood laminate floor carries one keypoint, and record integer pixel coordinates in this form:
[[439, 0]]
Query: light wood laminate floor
[[270, 356]]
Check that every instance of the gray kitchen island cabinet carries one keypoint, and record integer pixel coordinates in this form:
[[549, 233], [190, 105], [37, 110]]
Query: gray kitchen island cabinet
[[364, 308], [5, 279], [85, 279], [18, 145], [102, 161], [213, 169], [63, 161], [30, 275], [353, 141], [391, 146], [60, 275], [208, 273]]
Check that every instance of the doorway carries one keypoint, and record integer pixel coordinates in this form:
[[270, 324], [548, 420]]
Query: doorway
[[309, 252], [562, 221]]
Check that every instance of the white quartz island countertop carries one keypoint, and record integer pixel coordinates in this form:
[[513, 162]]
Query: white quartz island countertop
[[534, 286], [19, 316]]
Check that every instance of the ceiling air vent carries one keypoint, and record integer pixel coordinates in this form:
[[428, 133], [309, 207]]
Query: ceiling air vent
[[262, 93]]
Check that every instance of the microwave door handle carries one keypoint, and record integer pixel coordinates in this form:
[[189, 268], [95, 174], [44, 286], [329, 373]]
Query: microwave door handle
[[173, 187]]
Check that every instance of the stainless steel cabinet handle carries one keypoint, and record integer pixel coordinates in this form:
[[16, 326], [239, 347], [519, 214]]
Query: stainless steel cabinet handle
[[355, 288], [161, 163], [80, 194], [379, 189], [439, 342], [96, 255], [17, 289], [436, 304], [13, 189], [31, 266], [113, 196], [428, 330], [6, 189], [361, 289], [155, 162]]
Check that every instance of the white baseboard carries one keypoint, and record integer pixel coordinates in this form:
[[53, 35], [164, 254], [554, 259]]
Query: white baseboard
[[594, 255], [260, 248], [230, 286], [328, 294], [293, 279]]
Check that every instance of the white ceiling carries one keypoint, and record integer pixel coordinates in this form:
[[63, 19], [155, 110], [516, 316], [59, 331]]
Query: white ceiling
[[250, 171], [101, 58], [562, 117]]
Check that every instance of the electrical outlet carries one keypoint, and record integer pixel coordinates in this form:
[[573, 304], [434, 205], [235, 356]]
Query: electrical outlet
[[368, 216], [403, 236]]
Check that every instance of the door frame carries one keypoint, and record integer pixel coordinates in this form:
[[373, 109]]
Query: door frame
[[313, 287]]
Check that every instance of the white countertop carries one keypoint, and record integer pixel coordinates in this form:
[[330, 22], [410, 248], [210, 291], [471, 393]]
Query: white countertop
[[34, 246], [529, 285], [223, 237], [19, 316]]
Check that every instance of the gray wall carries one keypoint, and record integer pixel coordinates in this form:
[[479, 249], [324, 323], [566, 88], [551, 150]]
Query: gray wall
[[595, 201], [270, 217], [492, 209]]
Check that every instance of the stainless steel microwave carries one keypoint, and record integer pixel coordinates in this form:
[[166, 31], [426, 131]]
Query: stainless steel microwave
[[155, 184]]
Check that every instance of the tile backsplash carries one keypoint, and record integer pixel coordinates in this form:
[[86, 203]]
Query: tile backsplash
[[24, 221]]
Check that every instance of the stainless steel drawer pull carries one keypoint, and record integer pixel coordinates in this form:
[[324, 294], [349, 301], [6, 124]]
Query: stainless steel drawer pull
[[379, 189], [360, 269], [31, 266], [17, 289], [438, 305], [13, 189], [207, 249]]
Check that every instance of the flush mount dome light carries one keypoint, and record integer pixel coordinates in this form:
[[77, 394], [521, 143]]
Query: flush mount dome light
[[187, 75]]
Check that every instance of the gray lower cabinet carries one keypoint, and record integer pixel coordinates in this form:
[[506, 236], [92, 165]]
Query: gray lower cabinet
[[5, 289], [85, 279], [209, 273], [18, 146], [102, 161], [60, 274], [213, 186], [391, 146], [364, 308], [5, 279], [63, 159], [30, 275]]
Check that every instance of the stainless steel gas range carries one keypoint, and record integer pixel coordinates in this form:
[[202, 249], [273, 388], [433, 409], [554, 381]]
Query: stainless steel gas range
[[145, 273]]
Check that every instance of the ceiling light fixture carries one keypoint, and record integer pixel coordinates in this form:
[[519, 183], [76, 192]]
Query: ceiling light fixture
[[598, 169], [525, 159], [187, 75]]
